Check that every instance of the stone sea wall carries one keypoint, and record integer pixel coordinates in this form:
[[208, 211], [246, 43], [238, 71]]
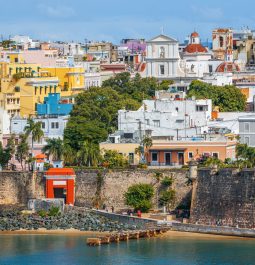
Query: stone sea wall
[[115, 183], [214, 230], [224, 198], [110, 186], [19, 187]]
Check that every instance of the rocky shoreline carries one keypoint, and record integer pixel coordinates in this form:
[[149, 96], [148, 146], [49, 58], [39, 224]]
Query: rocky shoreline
[[14, 219]]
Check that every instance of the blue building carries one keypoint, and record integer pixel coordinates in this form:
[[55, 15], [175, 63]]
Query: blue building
[[52, 106]]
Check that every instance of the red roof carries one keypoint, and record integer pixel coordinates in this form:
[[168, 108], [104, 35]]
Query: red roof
[[194, 35], [60, 172], [194, 48], [228, 67], [40, 156]]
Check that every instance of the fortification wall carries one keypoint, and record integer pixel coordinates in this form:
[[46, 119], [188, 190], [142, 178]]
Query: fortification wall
[[18, 187], [224, 198]]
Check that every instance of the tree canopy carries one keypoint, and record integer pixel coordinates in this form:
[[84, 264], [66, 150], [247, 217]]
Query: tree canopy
[[227, 98], [139, 196], [95, 115]]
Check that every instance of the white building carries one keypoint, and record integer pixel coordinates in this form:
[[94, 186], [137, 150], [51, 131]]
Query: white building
[[4, 123], [53, 127], [218, 79], [166, 117], [162, 57], [196, 59]]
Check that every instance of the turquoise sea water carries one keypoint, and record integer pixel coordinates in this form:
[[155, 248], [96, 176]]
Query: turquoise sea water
[[58, 249]]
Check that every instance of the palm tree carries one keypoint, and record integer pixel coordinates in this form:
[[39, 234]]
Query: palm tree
[[69, 154], [147, 143], [89, 154], [22, 150], [35, 130], [158, 176], [54, 148]]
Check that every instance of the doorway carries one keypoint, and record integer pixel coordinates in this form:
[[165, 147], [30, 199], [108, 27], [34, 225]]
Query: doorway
[[60, 193], [181, 158], [168, 159]]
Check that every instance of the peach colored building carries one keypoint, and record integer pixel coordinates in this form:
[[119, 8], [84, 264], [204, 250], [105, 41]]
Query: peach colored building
[[177, 153]]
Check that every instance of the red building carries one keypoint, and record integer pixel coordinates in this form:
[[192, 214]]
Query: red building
[[60, 183]]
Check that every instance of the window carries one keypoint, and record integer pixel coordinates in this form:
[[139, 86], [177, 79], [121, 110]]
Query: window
[[202, 108], [154, 157], [162, 69], [147, 121], [131, 158], [177, 109], [54, 125], [215, 155], [190, 155], [210, 68], [246, 127], [221, 41], [247, 140], [156, 123], [43, 125]]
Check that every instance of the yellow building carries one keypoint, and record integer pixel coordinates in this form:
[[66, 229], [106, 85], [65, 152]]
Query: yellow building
[[126, 149], [71, 79], [23, 86]]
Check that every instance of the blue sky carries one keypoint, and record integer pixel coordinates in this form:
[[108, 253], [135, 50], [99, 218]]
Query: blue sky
[[113, 20]]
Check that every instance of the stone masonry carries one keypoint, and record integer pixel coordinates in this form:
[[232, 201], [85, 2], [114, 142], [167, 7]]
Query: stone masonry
[[18, 187], [224, 198]]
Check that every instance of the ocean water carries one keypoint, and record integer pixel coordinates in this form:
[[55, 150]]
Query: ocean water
[[72, 250]]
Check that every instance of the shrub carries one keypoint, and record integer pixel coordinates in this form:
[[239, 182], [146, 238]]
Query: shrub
[[139, 196], [166, 197], [54, 211], [167, 182], [42, 213]]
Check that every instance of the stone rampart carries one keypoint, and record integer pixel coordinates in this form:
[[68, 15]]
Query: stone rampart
[[18, 187], [224, 198]]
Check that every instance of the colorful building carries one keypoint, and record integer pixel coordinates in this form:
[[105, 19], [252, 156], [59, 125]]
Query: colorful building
[[23, 86], [53, 105], [60, 183], [71, 79], [178, 153]]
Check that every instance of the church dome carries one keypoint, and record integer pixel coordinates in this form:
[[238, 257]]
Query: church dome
[[194, 35], [228, 67], [195, 48]]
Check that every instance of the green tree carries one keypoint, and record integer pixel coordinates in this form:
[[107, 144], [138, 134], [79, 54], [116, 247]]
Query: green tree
[[95, 115], [167, 197], [54, 148], [5, 156], [147, 143], [139, 197], [22, 150], [89, 154], [164, 85], [10, 147], [227, 98], [112, 159], [35, 130]]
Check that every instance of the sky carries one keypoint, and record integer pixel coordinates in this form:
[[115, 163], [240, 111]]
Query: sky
[[112, 20]]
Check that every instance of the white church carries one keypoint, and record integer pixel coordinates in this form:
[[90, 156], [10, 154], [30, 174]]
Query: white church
[[162, 57]]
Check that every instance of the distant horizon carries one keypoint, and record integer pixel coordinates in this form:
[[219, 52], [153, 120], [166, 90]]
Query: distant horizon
[[60, 20]]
